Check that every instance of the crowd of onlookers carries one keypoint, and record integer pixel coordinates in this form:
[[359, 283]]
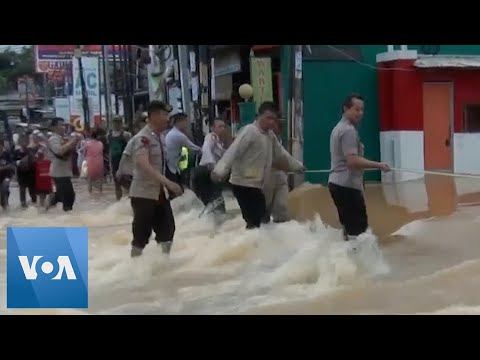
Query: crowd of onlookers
[[28, 158]]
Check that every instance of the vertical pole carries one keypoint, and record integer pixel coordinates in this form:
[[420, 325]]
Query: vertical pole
[[131, 83], [45, 92], [194, 72], [297, 103], [86, 110], [176, 76], [106, 78], [184, 80], [115, 79], [27, 107], [99, 74], [204, 101], [212, 109], [125, 82]]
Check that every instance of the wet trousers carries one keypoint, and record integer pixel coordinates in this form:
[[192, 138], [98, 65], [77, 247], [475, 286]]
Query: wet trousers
[[4, 192], [64, 193], [26, 181], [252, 204], [148, 215], [351, 208], [208, 191]]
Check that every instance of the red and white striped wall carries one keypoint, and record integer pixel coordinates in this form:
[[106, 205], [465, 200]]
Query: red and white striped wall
[[422, 102]]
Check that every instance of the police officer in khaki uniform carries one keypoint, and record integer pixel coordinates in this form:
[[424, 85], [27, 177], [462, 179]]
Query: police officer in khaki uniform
[[148, 192]]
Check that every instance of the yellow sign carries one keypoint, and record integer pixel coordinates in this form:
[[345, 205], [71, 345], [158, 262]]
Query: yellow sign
[[261, 79]]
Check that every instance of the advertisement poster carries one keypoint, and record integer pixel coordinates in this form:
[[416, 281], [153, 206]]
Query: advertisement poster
[[261, 78], [92, 84], [66, 52]]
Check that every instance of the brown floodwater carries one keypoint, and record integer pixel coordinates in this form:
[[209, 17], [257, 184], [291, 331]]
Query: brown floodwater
[[422, 255]]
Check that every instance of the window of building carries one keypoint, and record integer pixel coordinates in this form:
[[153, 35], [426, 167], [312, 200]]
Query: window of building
[[471, 118]]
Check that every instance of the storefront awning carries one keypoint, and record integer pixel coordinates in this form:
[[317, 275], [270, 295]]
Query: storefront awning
[[445, 61]]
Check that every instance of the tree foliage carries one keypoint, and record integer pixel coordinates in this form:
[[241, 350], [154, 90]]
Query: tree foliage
[[14, 65]]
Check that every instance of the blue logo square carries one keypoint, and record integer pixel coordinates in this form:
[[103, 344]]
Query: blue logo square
[[47, 268]]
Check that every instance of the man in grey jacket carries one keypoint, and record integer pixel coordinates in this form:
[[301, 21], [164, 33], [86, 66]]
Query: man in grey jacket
[[249, 161]]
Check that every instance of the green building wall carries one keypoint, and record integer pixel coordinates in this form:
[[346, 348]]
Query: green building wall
[[325, 86]]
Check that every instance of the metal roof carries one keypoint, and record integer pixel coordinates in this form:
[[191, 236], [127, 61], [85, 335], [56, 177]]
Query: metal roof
[[446, 61]]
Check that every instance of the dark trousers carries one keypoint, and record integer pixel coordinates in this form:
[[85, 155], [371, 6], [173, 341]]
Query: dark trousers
[[64, 193], [176, 178], [252, 204], [26, 181], [151, 215], [207, 190], [351, 208], [4, 191], [118, 185]]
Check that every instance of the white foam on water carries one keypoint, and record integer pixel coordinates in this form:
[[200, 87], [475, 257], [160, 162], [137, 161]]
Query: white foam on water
[[455, 310], [233, 270], [226, 272]]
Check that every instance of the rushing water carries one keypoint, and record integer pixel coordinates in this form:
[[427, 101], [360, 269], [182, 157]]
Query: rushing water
[[428, 260]]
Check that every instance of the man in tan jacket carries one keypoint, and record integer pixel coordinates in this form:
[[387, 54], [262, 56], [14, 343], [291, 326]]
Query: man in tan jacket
[[249, 161]]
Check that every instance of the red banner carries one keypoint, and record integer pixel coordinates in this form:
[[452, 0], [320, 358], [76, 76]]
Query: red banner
[[66, 52]]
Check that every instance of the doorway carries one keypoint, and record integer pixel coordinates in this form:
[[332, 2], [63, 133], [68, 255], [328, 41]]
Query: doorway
[[438, 125]]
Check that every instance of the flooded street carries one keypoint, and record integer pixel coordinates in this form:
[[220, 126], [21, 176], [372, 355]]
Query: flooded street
[[428, 259]]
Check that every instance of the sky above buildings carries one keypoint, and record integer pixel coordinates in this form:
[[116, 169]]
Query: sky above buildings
[[13, 47]]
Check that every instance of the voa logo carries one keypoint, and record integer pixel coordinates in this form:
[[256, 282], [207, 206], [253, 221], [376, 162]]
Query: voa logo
[[65, 268]]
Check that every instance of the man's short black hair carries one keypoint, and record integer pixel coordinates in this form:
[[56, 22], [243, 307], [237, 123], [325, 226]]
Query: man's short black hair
[[156, 106], [56, 120], [267, 106], [117, 119], [348, 102], [179, 117], [216, 119]]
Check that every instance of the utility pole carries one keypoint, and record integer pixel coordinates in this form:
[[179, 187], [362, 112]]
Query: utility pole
[[123, 52], [86, 110], [212, 96], [26, 100], [204, 86], [297, 106], [176, 77], [115, 80], [45, 91], [131, 78], [193, 52], [106, 78], [184, 80]]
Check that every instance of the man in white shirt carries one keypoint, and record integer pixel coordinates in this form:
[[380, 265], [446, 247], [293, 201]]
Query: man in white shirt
[[175, 140], [212, 151]]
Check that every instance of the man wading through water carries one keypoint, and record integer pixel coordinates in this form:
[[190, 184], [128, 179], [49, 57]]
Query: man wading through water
[[124, 173], [151, 207], [25, 161], [175, 140], [61, 167], [213, 149], [346, 175], [117, 141], [250, 159]]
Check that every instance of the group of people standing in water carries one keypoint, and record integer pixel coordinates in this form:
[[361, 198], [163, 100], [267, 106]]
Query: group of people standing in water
[[151, 166], [253, 161]]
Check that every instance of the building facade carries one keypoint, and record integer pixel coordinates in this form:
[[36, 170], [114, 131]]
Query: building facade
[[422, 105]]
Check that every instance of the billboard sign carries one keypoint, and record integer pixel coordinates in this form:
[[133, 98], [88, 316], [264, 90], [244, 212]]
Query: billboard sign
[[48, 57]]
